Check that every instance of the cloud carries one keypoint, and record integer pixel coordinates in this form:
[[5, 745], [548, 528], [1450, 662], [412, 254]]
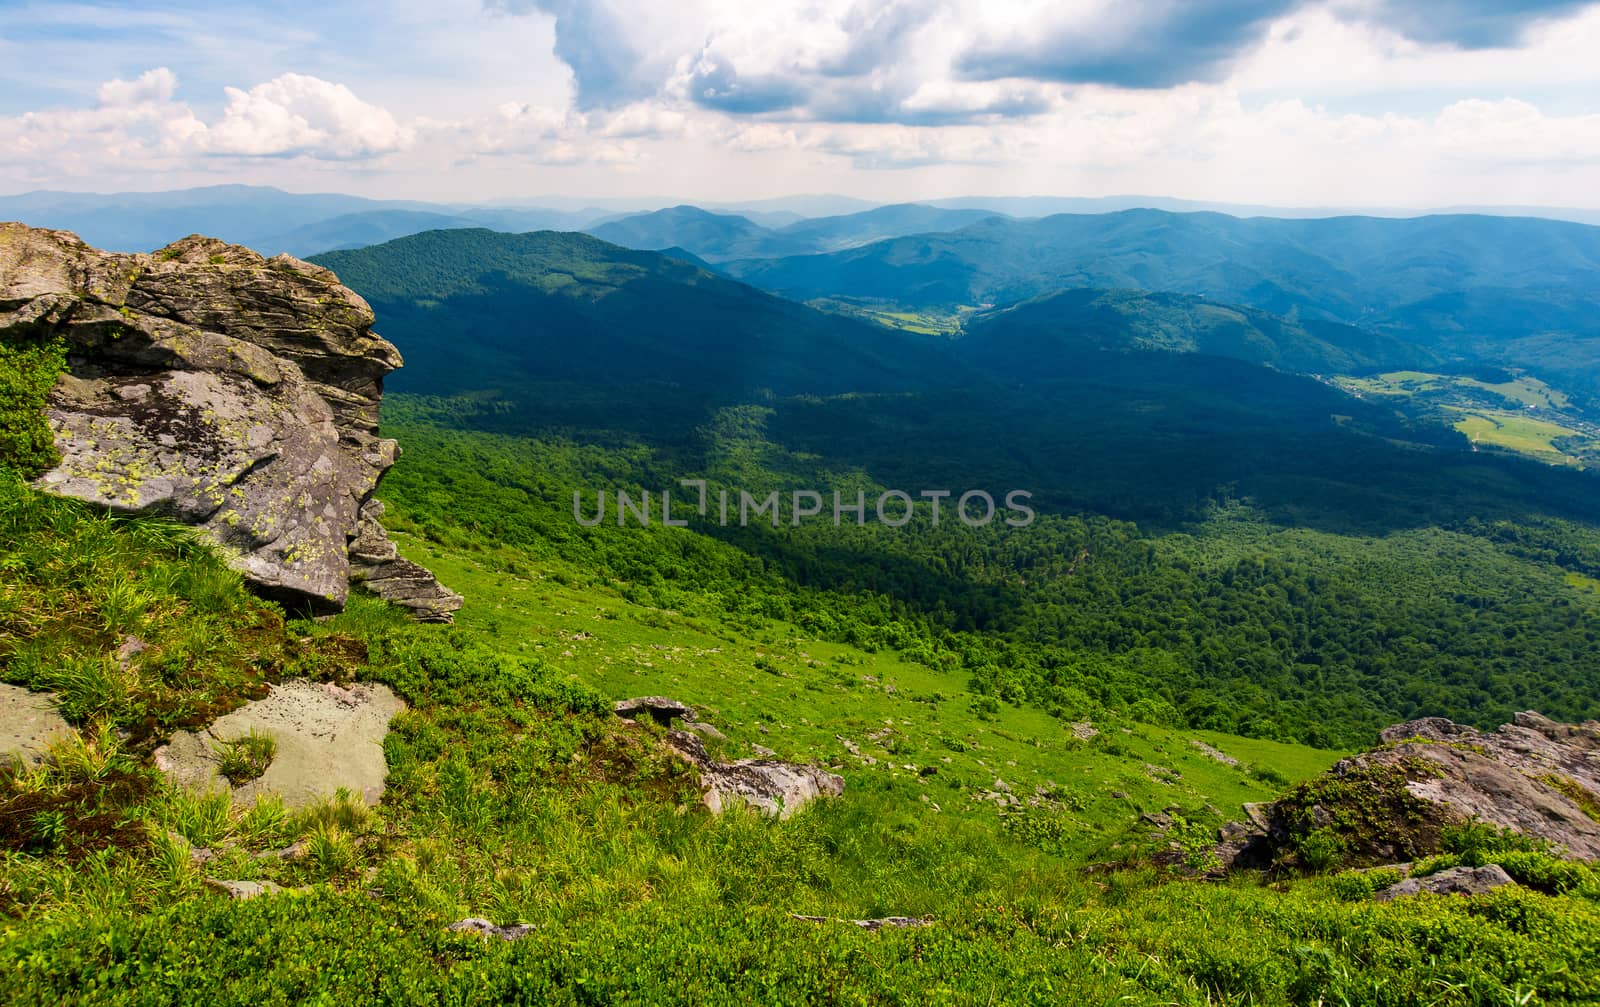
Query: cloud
[[299, 115], [1516, 132], [1142, 44], [158, 85], [139, 125], [714, 82], [616, 57], [1467, 24]]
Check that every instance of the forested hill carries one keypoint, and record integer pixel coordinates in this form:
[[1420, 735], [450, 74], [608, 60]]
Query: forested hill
[[1038, 337], [476, 308], [1516, 291]]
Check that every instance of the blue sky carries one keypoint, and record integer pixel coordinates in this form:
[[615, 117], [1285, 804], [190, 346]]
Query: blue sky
[[1290, 102]]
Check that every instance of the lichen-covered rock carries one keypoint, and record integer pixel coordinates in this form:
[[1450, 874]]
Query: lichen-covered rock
[[232, 392]]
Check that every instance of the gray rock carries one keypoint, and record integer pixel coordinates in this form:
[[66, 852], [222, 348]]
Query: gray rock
[[1533, 776], [1455, 881], [234, 393], [327, 738], [659, 708], [705, 731], [28, 724], [1213, 753], [483, 928], [770, 786], [243, 890]]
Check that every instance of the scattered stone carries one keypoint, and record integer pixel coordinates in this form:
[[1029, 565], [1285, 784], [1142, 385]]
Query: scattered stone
[[130, 648], [294, 851], [243, 890], [197, 854], [1209, 752], [1159, 819], [231, 392], [483, 928], [1455, 881], [764, 751], [893, 922], [28, 724], [849, 745], [661, 709], [323, 744], [768, 785], [1083, 730]]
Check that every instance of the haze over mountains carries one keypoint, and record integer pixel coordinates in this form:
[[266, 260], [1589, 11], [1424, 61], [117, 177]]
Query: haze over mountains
[[271, 220]]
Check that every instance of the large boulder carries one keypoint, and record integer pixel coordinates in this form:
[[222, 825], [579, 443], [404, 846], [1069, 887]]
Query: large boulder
[[229, 391], [771, 786], [1533, 776]]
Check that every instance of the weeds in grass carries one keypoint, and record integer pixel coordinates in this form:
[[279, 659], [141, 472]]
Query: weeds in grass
[[245, 758]]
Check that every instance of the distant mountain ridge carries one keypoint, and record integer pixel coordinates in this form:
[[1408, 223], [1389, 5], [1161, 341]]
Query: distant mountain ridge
[[1505, 290], [720, 237], [470, 307]]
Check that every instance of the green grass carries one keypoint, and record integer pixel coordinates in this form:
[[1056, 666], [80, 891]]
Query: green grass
[[130, 621], [514, 794], [765, 682], [1493, 413], [28, 370], [1523, 434], [245, 758]]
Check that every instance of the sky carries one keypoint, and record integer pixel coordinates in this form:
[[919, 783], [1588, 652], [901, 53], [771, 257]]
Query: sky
[[1400, 103]]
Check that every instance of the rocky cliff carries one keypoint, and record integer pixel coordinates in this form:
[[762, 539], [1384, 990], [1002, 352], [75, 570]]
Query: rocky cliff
[[232, 392]]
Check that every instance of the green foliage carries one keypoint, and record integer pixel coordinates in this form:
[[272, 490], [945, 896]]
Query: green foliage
[[28, 370]]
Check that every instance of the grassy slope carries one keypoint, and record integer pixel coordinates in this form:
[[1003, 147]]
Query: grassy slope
[[511, 795], [770, 684]]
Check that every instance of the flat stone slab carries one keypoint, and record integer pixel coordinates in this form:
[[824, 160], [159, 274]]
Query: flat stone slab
[[28, 723], [327, 737]]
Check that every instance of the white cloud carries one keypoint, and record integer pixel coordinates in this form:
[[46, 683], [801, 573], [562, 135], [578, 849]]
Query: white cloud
[[1515, 132], [153, 86], [299, 115]]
